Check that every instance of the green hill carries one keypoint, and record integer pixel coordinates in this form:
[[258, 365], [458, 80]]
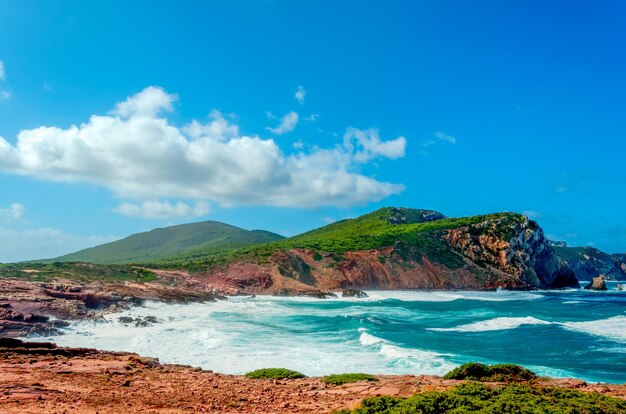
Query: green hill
[[154, 245]]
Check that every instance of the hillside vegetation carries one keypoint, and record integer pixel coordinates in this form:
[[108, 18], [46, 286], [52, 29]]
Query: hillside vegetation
[[382, 228], [154, 245]]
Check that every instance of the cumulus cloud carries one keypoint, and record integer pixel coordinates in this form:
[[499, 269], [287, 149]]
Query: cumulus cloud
[[287, 124], [163, 209], [3, 74], [148, 103], [369, 145], [15, 212], [300, 94], [139, 155], [43, 243]]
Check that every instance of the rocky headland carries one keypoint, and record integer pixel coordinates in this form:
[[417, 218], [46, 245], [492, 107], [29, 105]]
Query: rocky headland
[[390, 249]]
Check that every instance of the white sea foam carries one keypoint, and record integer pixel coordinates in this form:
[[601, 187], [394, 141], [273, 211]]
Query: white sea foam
[[612, 328], [495, 324], [241, 334], [415, 360], [237, 336], [367, 339], [448, 296]]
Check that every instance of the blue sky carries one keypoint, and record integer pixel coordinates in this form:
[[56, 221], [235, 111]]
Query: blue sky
[[117, 117]]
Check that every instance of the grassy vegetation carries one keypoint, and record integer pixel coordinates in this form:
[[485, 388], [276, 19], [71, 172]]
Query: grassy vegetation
[[339, 379], [474, 397], [497, 373], [81, 272], [371, 231], [208, 237], [274, 373], [578, 253]]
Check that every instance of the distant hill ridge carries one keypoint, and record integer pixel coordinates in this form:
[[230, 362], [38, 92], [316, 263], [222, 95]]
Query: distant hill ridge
[[154, 245], [505, 242]]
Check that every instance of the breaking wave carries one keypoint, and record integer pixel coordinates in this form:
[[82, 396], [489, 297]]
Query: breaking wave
[[495, 324]]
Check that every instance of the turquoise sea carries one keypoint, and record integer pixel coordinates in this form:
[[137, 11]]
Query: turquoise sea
[[571, 333]]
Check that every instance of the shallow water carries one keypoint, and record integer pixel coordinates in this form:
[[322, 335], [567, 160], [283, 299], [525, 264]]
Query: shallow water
[[573, 333]]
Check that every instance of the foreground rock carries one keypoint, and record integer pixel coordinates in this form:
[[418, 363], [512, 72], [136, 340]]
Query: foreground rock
[[43, 378], [597, 283]]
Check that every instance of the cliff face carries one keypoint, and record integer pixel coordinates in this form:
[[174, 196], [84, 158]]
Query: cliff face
[[516, 246], [589, 262], [508, 251]]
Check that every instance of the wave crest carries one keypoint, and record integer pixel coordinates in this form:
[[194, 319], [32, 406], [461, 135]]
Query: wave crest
[[495, 324]]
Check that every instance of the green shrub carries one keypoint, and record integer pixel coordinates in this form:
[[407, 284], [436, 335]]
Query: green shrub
[[495, 373], [274, 373], [339, 379], [317, 257], [512, 398]]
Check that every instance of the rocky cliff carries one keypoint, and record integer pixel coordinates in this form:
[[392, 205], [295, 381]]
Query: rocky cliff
[[428, 251], [589, 262]]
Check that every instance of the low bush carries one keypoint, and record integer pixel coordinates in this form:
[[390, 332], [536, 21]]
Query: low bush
[[339, 379], [491, 373], [474, 397], [274, 373]]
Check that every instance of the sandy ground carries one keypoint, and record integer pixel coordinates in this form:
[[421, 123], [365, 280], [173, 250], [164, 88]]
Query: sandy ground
[[66, 380]]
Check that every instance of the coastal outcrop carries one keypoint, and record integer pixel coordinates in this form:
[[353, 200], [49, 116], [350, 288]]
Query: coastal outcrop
[[517, 246], [597, 283]]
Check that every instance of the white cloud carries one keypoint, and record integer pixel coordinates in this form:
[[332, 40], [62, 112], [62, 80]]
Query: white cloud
[[4, 95], [43, 243], [440, 136], [147, 103], [218, 129], [445, 137], [298, 145], [3, 74], [163, 209], [139, 155], [300, 94], [287, 124], [312, 117], [370, 145], [15, 212]]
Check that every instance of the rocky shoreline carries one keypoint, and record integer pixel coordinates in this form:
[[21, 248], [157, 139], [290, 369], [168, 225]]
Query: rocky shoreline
[[44, 378], [42, 308]]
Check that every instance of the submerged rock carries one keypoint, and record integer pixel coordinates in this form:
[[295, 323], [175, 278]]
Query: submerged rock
[[353, 293], [138, 322], [597, 283]]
